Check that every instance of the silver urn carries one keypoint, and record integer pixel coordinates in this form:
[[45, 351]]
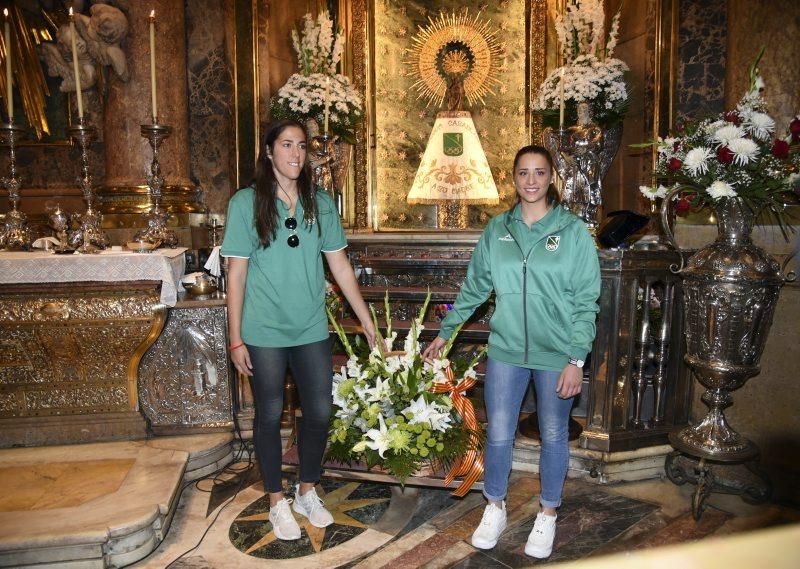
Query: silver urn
[[730, 289]]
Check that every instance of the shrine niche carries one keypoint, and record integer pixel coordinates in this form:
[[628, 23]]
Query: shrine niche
[[401, 119]]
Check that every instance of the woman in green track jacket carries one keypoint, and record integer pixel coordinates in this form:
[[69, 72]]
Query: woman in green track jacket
[[542, 264]]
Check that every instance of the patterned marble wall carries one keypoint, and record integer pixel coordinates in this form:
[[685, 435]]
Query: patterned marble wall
[[701, 59], [210, 69]]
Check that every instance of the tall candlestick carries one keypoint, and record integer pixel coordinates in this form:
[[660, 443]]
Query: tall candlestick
[[153, 96], [75, 64], [327, 103], [561, 105], [9, 87]]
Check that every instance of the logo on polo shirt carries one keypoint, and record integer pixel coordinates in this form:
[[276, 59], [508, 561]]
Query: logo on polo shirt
[[552, 242], [506, 237]]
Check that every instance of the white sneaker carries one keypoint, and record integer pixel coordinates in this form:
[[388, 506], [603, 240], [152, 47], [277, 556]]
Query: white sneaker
[[283, 523], [311, 506], [492, 525], [540, 540]]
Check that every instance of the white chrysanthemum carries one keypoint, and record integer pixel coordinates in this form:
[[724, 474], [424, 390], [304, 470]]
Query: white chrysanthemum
[[696, 161], [744, 150], [722, 136], [760, 125], [651, 192], [719, 189]]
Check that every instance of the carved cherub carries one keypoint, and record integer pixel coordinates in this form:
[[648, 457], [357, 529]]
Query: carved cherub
[[98, 41], [58, 57]]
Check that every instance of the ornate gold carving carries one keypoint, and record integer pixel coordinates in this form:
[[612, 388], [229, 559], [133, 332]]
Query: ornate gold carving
[[72, 352], [455, 43], [360, 82], [538, 63]]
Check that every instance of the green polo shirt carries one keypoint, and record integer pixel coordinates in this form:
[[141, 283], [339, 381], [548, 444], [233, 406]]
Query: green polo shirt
[[284, 298]]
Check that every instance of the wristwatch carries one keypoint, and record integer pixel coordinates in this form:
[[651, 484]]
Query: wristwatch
[[576, 362]]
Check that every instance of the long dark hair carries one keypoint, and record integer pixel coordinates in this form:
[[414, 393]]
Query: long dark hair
[[266, 210], [552, 194]]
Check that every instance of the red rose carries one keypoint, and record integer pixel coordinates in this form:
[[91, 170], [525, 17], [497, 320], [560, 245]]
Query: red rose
[[780, 149], [794, 128], [683, 206], [733, 116], [675, 164], [724, 155]]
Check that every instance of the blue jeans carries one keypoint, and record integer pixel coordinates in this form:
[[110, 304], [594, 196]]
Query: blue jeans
[[504, 390]]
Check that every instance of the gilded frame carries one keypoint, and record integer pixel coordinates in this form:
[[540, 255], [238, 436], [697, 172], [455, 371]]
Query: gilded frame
[[361, 36]]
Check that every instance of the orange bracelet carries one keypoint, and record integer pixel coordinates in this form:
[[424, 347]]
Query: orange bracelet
[[237, 346]]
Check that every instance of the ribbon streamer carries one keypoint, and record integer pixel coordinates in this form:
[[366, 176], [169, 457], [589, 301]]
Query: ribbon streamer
[[469, 466]]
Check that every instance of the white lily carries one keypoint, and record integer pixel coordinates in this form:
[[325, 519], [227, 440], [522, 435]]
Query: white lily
[[380, 439]]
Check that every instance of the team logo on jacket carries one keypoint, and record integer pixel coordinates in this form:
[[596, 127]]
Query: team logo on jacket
[[552, 242]]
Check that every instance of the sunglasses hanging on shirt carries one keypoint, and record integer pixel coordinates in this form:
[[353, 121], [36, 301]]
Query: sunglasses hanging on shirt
[[291, 224]]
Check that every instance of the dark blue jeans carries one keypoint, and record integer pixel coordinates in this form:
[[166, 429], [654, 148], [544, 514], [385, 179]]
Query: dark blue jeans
[[311, 366]]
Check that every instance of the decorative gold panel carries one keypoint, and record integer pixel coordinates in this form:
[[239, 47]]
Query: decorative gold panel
[[70, 351]]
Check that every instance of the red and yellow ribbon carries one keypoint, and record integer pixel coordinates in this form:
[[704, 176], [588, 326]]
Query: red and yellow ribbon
[[469, 466]]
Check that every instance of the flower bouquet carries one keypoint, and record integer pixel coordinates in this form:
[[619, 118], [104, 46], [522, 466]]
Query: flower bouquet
[[734, 155], [589, 73], [318, 88], [394, 410]]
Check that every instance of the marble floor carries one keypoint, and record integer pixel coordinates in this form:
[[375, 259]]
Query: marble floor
[[110, 504]]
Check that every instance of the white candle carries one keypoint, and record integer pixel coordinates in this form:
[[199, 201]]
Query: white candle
[[9, 87], [561, 105], [327, 100], [153, 96], [75, 64]]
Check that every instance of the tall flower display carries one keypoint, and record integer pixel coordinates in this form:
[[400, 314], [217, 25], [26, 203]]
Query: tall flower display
[[590, 73], [734, 155], [317, 89], [394, 410]]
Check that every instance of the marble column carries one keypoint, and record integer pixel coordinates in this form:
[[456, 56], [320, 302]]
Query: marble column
[[774, 24], [128, 106]]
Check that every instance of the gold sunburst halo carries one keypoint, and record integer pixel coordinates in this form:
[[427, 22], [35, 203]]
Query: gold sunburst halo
[[480, 48]]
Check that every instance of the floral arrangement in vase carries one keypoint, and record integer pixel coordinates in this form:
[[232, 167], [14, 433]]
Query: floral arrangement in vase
[[589, 74], [396, 411], [733, 155], [318, 92]]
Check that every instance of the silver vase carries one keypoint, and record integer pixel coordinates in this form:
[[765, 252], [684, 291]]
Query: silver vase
[[730, 291]]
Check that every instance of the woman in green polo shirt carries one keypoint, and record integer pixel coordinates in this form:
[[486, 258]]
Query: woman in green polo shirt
[[278, 229]]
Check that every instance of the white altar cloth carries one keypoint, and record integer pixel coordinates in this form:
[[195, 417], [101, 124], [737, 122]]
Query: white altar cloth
[[165, 265]]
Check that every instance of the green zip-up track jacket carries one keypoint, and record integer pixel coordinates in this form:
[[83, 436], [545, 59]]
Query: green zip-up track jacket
[[546, 280]]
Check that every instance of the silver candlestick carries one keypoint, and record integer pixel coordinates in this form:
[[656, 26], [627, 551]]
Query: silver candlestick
[[157, 230], [15, 233], [89, 236]]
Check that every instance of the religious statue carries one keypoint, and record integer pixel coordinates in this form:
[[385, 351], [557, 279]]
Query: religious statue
[[98, 43]]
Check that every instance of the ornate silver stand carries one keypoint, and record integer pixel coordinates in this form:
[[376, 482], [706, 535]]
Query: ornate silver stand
[[582, 155], [157, 230], [730, 292], [15, 234], [323, 156], [89, 237]]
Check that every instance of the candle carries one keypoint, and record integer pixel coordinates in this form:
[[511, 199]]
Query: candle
[[9, 87], [75, 65], [327, 99], [153, 97], [561, 105]]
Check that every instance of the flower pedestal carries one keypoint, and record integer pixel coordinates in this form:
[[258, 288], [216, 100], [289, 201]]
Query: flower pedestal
[[730, 291]]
